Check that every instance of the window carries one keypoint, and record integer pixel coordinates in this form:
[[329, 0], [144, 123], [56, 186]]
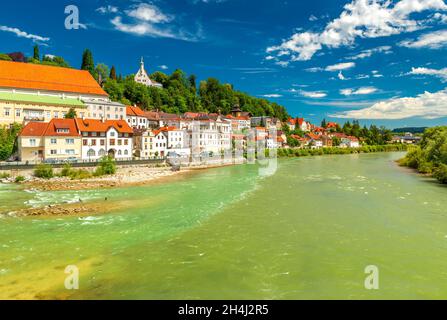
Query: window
[[69, 141], [120, 142], [126, 153], [48, 115], [7, 111], [91, 153], [56, 115], [32, 142], [126, 142], [103, 142], [85, 142], [102, 153], [53, 141], [112, 142], [18, 112], [62, 131], [93, 142], [70, 152], [112, 134], [53, 152], [120, 152]]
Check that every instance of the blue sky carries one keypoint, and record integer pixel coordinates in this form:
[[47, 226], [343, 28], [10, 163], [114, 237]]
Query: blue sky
[[377, 61]]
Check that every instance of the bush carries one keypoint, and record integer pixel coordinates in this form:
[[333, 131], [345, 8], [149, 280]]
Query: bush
[[67, 170], [19, 179], [80, 174], [4, 175], [44, 171], [107, 166], [441, 173]]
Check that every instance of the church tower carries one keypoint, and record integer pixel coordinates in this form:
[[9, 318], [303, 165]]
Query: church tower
[[143, 78]]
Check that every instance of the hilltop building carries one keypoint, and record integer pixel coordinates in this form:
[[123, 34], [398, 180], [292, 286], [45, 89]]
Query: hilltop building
[[143, 78]]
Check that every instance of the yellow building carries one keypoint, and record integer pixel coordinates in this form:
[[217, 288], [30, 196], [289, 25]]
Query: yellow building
[[30, 92], [58, 140], [23, 108]]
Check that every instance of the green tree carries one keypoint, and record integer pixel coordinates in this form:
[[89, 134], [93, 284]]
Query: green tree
[[71, 114], [36, 54], [5, 57], [87, 62], [102, 73], [324, 123], [113, 73]]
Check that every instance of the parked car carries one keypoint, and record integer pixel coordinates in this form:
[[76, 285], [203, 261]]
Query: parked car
[[72, 160]]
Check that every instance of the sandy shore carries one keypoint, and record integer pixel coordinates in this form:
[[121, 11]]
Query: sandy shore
[[125, 176]]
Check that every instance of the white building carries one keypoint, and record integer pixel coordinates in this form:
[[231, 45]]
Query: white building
[[143, 78], [136, 118], [105, 137], [212, 136], [103, 108]]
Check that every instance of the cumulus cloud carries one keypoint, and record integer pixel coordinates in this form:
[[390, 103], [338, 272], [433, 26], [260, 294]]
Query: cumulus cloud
[[426, 105], [432, 40], [22, 34], [313, 94], [440, 73], [359, 91], [360, 19]]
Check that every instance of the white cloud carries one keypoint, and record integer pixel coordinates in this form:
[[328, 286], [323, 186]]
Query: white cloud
[[427, 105], [313, 18], [149, 20], [148, 13], [360, 19], [368, 53], [107, 9], [272, 95], [163, 67], [313, 94], [340, 66], [432, 40], [359, 91], [441, 73], [314, 70], [22, 34]]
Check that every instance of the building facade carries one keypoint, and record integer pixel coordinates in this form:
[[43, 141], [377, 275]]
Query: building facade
[[143, 78]]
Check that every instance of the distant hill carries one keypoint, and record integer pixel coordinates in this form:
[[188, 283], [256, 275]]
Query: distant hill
[[413, 130]]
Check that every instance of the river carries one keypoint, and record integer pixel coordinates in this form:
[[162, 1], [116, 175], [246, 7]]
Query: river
[[306, 232]]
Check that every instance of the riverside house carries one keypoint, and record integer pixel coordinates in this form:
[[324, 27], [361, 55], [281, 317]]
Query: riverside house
[[136, 117], [57, 140], [75, 139], [105, 137]]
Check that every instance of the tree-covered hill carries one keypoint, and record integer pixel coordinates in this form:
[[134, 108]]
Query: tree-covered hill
[[181, 93]]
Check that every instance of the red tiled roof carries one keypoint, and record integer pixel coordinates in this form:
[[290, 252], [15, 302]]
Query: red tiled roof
[[34, 129], [92, 125], [68, 124], [41, 77], [132, 111], [40, 129]]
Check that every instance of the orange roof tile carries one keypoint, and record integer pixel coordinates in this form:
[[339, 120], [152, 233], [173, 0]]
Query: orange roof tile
[[66, 124], [92, 125], [40, 129], [34, 129], [132, 111], [39, 77]]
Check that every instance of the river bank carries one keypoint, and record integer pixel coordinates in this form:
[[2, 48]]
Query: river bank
[[297, 152]]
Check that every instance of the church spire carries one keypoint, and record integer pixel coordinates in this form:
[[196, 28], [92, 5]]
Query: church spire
[[142, 63]]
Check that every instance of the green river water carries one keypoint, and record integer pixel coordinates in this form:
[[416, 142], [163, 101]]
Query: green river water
[[307, 232]]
